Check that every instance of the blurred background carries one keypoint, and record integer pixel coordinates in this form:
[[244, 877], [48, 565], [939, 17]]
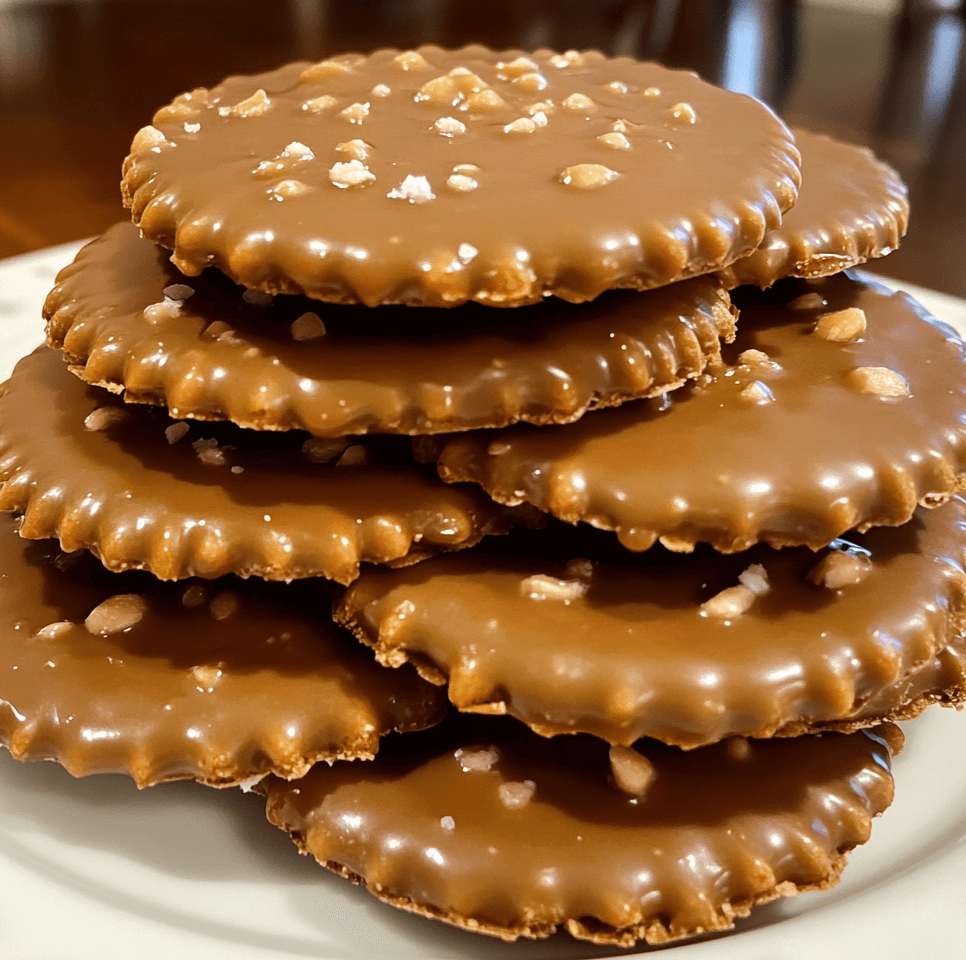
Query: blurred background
[[79, 77]]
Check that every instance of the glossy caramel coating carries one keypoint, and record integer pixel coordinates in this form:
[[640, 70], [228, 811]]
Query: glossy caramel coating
[[718, 830], [440, 176], [852, 208], [795, 444], [391, 370], [629, 647], [258, 507], [220, 682]]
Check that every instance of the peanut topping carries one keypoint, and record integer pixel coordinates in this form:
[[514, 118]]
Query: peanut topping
[[410, 60], [498, 448], [756, 358], [192, 127], [194, 596], [292, 155], [116, 614], [808, 301], [521, 125], [206, 676], [880, 381], [148, 138], [175, 432], [356, 149], [353, 173], [757, 392], [441, 92], [287, 189], [579, 103], [588, 176], [413, 189], [309, 326], [651, 93], [209, 453], [324, 70], [843, 326], [730, 603], [485, 101], [540, 118], [53, 630], [568, 59], [632, 772], [178, 291], [319, 104], [616, 86], [103, 418], [616, 140], [461, 183], [258, 298], [381, 90], [476, 761], [755, 578], [543, 106], [449, 126], [319, 450], [738, 748], [166, 310], [466, 252], [355, 112], [579, 569], [531, 82], [447, 823], [543, 587], [515, 796], [515, 69], [355, 456], [683, 113], [839, 568], [223, 604], [254, 106]]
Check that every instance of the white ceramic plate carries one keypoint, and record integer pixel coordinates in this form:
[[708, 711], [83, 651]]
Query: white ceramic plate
[[94, 869]]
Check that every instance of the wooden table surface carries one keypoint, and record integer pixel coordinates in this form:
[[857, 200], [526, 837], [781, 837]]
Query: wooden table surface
[[79, 77]]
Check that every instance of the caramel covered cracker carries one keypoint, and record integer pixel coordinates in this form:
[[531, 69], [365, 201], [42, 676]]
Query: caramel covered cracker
[[852, 208], [685, 649], [221, 682], [128, 320], [505, 833], [462, 178], [143, 491], [840, 405]]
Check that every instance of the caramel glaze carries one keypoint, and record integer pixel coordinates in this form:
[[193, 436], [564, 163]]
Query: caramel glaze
[[709, 464], [635, 656], [703, 175], [137, 500], [272, 686], [392, 370], [717, 831], [852, 207]]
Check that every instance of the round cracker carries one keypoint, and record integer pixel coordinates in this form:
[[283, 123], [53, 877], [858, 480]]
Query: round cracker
[[335, 370], [681, 648], [840, 406], [440, 176], [220, 682], [501, 832], [142, 491]]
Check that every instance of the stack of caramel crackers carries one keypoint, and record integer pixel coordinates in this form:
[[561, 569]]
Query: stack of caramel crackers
[[540, 375]]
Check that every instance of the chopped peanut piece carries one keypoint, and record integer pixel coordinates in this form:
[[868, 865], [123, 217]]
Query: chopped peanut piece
[[808, 301], [355, 456], [531, 82], [757, 392], [319, 104], [632, 771], [413, 189], [616, 86], [737, 748], [309, 326], [838, 569], [257, 104], [476, 761], [543, 587], [521, 125], [355, 112], [54, 630], [755, 578], [353, 173], [563, 60], [461, 184], [880, 381], [731, 602], [410, 60], [498, 448], [515, 796], [579, 569], [356, 149], [616, 140], [441, 92], [843, 326], [287, 189], [194, 596], [206, 676], [683, 113], [588, 176], [516, 68], [116, 614], [320, 450], [209, 453], [449, 126], [577, 102], [651, 93], [103, 418], [324, 70], [484, 100], [224, 604], [148, 138], [381, 90], [175, 432]]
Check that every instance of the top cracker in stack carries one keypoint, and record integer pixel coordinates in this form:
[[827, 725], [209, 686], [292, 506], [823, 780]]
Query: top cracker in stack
[[311, 223]]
